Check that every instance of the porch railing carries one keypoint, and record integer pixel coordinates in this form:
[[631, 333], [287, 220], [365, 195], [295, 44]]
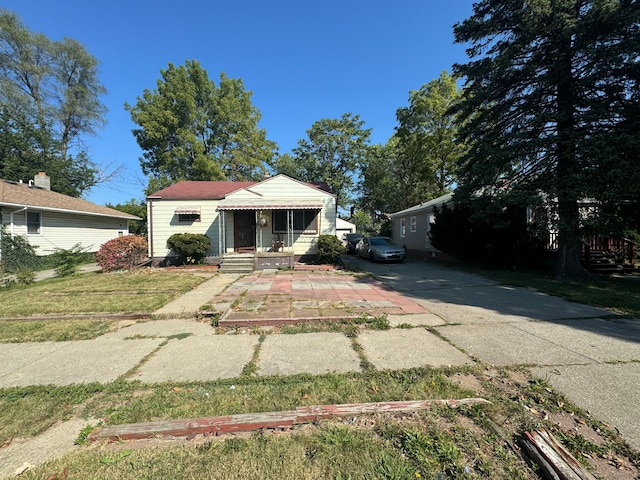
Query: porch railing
[[623, 250]]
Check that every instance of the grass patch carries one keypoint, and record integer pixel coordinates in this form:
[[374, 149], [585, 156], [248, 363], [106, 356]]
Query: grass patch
[[18, 331], [28, 411], [349, 327], [468, 442], [140, 291]]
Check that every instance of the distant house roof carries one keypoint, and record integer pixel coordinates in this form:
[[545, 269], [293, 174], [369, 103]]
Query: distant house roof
[[424, 206], [20, 195], [191, 190], [210, 190]]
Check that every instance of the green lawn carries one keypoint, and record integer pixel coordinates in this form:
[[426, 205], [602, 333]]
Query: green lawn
[[142, 291]]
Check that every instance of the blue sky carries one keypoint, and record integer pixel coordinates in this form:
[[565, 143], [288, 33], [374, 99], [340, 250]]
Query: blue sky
[[303, 61]]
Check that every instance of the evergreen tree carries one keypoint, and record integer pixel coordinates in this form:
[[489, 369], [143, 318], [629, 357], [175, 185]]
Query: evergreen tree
[[551, 88]]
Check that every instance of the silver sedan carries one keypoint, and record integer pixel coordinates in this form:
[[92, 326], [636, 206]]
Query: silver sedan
[[380, 248]]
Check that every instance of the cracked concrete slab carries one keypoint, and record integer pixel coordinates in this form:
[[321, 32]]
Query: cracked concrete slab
[[416, 320], [199, 358], [506, 344], [53, 443], [161, 328], [597, 339], [313, 353], [64, 363], [408, 348], [499, 303]]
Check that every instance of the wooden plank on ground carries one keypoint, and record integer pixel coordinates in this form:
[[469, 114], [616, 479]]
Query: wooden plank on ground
[[554, 460], [256, 421]]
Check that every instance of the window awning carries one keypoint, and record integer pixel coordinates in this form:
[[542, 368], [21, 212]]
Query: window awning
[[187, 211], [262, 204]]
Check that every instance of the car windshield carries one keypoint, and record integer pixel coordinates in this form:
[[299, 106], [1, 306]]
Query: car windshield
[[381, 241], [353, 236]]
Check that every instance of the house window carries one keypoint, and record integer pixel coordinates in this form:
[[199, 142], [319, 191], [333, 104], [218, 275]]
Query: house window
[[188, 217], [403, 227], [34, 222], [304, 221], [412, 224]]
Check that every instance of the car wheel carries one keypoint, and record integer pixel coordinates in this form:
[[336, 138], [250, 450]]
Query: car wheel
[[371, 257]]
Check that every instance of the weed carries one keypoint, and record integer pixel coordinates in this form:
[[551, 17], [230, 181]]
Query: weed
[[180, 336], [580, 445], [116, 458], [236, 303], [365, 364], [406, 326], [83, 436], [380, 322]]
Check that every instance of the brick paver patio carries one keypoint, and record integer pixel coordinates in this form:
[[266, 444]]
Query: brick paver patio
[[269, 298]]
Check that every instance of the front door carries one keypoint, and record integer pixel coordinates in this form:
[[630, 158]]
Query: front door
[[245, 231]]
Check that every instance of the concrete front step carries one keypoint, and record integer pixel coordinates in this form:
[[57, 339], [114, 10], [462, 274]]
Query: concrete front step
[[240, 263]]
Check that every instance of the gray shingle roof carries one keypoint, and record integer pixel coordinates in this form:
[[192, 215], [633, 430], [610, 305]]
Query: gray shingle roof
[[14, 194]]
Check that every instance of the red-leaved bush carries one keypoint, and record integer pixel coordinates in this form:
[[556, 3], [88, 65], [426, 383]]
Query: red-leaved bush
[[122, 253]]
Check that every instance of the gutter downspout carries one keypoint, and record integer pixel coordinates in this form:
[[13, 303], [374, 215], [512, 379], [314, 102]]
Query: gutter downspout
[[150, 226], [11, 220]]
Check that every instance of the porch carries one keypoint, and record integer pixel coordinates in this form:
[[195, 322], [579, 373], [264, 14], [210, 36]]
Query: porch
[[604, 254], [265, 236]]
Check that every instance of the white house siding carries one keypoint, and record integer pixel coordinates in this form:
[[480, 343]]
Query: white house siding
[[166, 223], [283, 191], [60, 230]]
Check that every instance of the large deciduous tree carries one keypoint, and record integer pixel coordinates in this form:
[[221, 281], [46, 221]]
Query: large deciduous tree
[[332, 153], [419, 162], [191, 129], [427, 134], [49, 99], [551, 91]]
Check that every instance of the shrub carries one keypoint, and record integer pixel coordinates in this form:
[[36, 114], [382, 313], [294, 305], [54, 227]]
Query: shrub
[[17, 253], [122, 253], [329, 248], [191, 247], [67, 261]]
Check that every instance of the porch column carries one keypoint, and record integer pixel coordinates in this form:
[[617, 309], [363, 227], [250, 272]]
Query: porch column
[[290, 229], [221, 229]]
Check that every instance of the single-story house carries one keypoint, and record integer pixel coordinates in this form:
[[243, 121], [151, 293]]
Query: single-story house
[[411, 227], [276, 215], [51, 220]]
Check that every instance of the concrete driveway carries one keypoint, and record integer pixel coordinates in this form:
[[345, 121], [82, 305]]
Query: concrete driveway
[[585, 352]]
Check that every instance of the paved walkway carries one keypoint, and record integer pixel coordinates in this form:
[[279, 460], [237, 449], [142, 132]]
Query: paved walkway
[[585, 352]]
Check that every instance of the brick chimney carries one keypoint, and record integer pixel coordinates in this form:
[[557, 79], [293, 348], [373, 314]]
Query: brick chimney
[[42, 180]]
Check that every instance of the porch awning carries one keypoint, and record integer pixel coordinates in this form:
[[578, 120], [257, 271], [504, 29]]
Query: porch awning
[[279, 204], [187, 211]]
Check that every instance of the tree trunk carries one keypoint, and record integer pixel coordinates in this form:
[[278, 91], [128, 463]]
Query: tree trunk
[[567, 168]]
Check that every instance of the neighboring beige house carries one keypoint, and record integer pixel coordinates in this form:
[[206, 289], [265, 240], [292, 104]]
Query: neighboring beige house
[[276, 215], [411, 227], [51, 220]]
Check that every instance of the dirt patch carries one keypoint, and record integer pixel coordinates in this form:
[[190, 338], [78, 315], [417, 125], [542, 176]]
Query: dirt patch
[[614, 467], [568, 423], [468, 382]]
